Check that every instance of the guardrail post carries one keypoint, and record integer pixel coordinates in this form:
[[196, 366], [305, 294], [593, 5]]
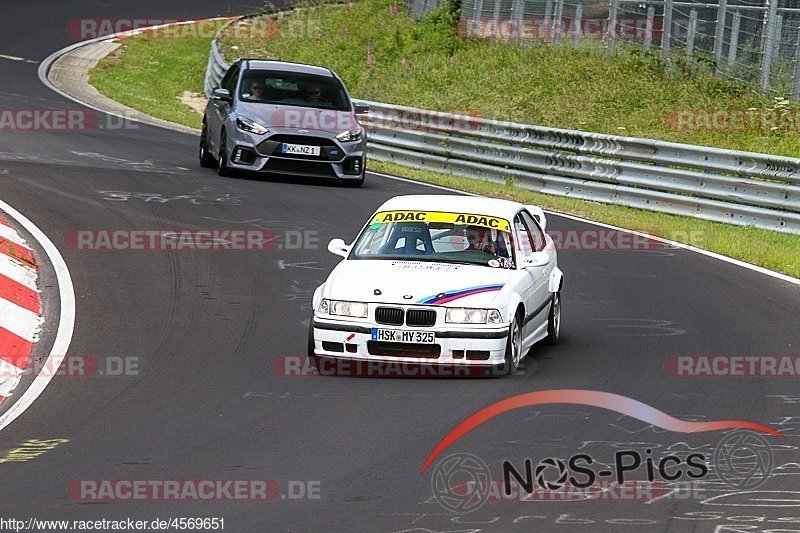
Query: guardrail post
[[692, 32], [548, 9], [796, 72], [519, 12], [778, 31], [666, 35], [477, 11], [556, 31], [734, 46], [769, 46], [611, 35], [648, 30], [577, 25], [719, 36], [496, 20]]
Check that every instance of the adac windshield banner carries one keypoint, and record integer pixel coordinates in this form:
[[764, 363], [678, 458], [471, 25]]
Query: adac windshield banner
[[466, 219]]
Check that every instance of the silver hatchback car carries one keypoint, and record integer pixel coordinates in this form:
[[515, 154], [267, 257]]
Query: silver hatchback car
[[285, 119]]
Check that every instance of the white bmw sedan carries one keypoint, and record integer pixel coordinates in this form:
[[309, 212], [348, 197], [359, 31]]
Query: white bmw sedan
[[441, 280]]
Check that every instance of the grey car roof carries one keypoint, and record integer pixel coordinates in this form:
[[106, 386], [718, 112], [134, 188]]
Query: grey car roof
[[286, 66]]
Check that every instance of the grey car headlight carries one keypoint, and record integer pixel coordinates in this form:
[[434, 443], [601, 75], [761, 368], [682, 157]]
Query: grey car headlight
[[464, 315], [343, 308], [350, 135], [245, 124]]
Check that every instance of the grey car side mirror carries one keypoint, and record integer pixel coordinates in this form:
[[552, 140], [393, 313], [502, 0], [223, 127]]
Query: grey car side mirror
[[221, 95], [360, 108]]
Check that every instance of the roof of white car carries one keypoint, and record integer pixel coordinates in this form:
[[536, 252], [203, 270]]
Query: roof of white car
[[451, 203]]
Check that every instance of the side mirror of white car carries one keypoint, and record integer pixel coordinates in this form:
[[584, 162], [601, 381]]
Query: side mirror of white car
[[338, 247], [536, 259]]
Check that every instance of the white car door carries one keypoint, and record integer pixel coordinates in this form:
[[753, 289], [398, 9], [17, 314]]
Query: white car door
[[531, 239]]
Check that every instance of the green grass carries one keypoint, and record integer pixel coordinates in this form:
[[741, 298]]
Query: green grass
[[153, 74], [568, 88], [426, 64]]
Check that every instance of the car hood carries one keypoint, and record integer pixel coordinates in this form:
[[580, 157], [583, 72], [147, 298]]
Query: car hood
[[286, 119], [416, 282]]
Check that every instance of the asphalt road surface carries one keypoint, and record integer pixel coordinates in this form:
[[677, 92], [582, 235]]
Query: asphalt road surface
[[208, 331]]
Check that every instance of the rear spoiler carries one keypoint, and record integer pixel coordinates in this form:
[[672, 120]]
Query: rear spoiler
[[538, 214]]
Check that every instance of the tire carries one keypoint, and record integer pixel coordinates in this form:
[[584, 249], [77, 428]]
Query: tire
[[222, 160], [206, 159], [554, 320], [513, 348]]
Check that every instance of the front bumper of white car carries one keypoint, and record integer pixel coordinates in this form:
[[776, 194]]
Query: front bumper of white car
[[482, 345]]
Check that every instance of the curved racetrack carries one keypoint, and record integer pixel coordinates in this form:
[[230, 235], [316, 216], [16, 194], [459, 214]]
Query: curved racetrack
[[207, 327]]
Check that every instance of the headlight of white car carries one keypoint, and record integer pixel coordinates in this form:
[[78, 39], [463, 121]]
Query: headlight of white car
[[464, 315], [343, 308]]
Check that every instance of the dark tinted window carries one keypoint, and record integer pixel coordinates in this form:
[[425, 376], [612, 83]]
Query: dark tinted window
[[230, 79], [286, 88]]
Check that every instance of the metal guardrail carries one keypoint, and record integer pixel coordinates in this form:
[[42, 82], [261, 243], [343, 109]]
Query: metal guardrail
[[743, 188], [216, 69]]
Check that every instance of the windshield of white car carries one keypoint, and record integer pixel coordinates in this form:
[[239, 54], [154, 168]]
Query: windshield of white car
[[293, 89], [442, 242]]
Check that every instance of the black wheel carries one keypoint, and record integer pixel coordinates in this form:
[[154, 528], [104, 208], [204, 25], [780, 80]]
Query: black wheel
[[222, 159], [312, 356], [513, 348], [554, 320], [206, 159]]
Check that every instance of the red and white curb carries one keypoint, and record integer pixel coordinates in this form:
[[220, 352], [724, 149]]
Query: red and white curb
[[20, 307], [23, 276]]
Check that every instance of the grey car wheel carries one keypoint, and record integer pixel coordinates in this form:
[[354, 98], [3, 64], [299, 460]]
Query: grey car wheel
[[222, 159], [206, 159]]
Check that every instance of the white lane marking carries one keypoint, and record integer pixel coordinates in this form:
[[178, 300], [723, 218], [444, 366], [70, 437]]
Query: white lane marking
[[16, 271], [737, 262], [9, 234], [18, 320], [15, 58], [45, 64], [66, 320]]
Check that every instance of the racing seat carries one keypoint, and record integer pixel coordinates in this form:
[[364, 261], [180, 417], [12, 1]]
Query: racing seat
[[412, 233]]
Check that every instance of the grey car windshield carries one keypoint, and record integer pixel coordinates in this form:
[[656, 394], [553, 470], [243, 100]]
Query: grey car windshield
[[293, 89]]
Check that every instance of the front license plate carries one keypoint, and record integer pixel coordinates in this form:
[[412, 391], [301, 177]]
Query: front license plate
[[301, 149], [400, 335]]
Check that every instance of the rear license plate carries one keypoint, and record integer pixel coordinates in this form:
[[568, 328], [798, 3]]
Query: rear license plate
[[300, 149], [400, 335]]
